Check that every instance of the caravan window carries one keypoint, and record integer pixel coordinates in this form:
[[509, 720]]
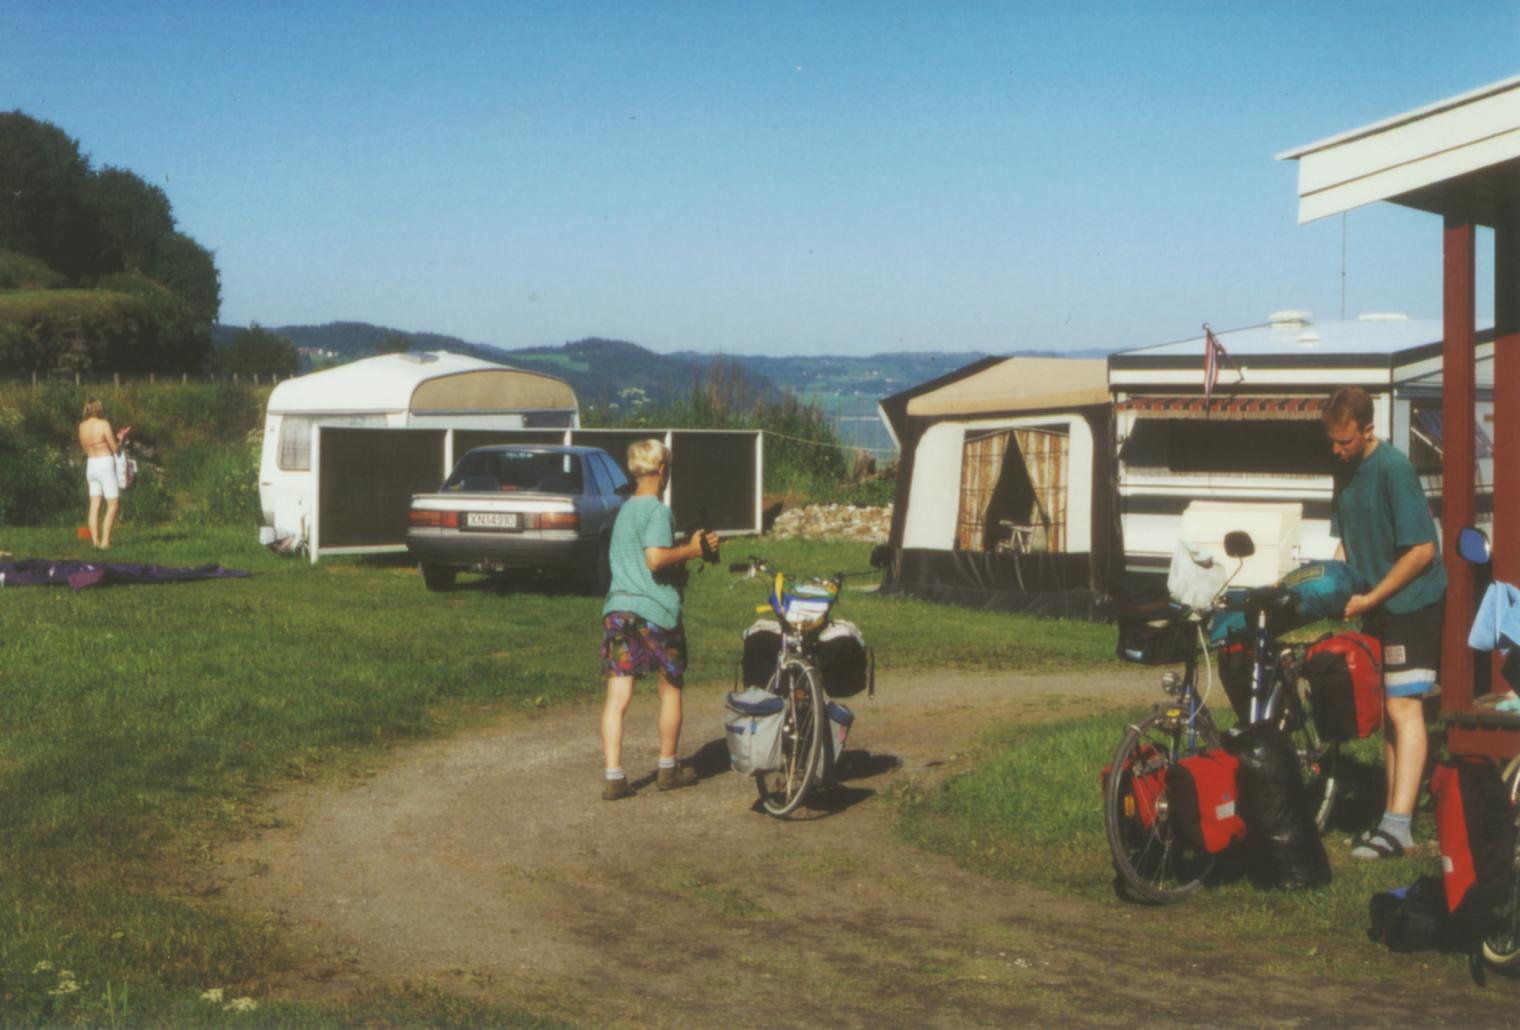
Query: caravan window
[[1227, 447], [295, 436]]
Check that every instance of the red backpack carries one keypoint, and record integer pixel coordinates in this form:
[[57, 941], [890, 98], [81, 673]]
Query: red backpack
[[1345, 674], [1475, 824], [1200, 793]]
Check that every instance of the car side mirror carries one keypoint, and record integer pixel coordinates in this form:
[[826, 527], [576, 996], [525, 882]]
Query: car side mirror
[[1472, 545], [1239, 544]]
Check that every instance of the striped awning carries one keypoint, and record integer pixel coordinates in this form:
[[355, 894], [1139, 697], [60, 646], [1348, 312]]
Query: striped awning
[[1194, 406]]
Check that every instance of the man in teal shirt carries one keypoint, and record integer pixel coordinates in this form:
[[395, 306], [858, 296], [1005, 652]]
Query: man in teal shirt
[[1381, 516], [641, 619]]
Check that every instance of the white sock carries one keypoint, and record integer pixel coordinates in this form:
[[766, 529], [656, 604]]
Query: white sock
[[667, 763], [616, 774]]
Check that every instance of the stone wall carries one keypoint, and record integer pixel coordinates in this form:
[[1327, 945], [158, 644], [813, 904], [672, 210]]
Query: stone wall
[[834, 522]]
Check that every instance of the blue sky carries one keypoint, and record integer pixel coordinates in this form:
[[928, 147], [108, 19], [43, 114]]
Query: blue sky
[[784, 178]]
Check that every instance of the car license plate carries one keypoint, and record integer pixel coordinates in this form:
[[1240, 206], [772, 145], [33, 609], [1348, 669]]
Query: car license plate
[[491, 520]]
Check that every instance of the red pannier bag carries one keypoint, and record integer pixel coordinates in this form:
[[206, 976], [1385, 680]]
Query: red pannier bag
[[1200, 795], [1345, 674], [1145, 786], [1475, 825]]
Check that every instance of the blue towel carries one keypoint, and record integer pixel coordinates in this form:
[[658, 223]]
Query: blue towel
[[1497, 624]]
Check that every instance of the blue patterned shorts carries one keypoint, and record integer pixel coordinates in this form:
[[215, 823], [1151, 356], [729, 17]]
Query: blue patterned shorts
[[632, 646]]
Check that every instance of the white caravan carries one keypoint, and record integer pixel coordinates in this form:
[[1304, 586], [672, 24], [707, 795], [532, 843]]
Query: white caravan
[[436, 390]]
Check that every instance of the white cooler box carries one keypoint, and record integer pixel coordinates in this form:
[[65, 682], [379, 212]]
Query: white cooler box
[[1275, 529]]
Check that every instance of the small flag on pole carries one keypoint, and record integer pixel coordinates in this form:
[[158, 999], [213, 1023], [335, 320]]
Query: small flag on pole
[[1213, 354]]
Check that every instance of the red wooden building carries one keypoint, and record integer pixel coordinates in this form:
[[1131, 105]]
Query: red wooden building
[[1459, 159]]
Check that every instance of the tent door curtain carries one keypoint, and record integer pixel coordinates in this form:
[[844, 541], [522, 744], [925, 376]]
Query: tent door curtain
[[1013, 490]]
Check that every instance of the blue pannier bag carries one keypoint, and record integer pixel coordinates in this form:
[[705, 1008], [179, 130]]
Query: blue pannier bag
[[1321, 589]]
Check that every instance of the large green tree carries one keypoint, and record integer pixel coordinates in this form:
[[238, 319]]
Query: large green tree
[[43, 210], [134, 218], [256, 350]]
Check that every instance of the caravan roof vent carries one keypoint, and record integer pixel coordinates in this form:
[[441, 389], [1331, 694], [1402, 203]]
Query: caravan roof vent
[[422, 358], [1309, 339], [1382, 316], [1289, 319]]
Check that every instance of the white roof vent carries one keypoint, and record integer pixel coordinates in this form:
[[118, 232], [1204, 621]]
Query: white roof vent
[[1382, 316], [1309, 339], [1289, 319]]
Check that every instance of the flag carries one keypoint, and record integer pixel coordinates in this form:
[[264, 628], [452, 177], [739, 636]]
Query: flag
[[1213, 354]]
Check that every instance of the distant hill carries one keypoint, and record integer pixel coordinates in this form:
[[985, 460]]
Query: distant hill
[[615, 372]]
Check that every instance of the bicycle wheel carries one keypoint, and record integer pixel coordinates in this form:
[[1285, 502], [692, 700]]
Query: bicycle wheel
[[802, 738], [1154, 861], [1501, 945], [1318, 760]]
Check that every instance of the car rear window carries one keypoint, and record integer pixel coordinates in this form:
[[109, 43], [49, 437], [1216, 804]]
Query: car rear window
[[489, 471]]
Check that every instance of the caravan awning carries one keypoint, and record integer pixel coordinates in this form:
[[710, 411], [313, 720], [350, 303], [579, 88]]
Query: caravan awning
[[1020, 384], [1240, 408]]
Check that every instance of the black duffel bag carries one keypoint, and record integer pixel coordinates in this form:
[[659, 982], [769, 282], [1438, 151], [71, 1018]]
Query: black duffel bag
[[1282, 843]]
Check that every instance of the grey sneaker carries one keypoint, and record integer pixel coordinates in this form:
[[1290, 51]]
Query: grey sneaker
[[613, 790], [673, 779]]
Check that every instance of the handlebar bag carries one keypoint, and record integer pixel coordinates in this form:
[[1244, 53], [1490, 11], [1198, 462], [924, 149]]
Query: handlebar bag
[[752, 726], [1200, 795], [762, 642], [1475, 825], [1155, 634], [843, 659], [1146, 786], [1345, 674]]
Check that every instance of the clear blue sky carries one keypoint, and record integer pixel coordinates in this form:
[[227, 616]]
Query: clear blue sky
[[761, 177]]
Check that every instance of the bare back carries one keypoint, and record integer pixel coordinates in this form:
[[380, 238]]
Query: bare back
[[96, 438]]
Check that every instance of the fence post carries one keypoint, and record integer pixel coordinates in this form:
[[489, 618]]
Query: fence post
[[76, 378], [152, 379], [234, 378], [116, 380], [184, 378], [34, 380], [255, 379]]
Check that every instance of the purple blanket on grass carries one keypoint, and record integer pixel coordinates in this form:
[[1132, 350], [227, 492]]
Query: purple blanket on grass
[[47, 572]]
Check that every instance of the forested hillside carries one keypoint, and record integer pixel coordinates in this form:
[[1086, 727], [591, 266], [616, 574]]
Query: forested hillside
[[95, 276]]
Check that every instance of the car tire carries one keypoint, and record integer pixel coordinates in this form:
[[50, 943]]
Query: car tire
[[599, 579], [438, 577]]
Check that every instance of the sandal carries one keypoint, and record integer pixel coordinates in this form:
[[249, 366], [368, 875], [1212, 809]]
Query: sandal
[[1376, 844]]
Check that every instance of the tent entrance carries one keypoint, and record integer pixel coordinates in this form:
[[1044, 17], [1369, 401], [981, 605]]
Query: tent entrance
[[1013, 490]]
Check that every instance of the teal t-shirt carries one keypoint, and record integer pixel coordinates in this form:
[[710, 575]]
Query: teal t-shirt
[[1379, 512], [642, 522]]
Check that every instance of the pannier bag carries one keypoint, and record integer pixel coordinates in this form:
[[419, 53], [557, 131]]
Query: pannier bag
[[753, 728], [1200, 795], [1283, 847], [762, 642], [1345, 673], [1155, 634], [1146, 786], [1414, 918], [840, 721], [844, 659], [1320, 590], [1236, 667], [1476, 828]]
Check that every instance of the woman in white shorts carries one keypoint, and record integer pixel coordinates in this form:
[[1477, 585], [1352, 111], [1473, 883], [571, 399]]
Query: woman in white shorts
[[100, 445]]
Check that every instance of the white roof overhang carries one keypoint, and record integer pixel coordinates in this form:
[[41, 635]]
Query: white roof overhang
[[1457, 156]]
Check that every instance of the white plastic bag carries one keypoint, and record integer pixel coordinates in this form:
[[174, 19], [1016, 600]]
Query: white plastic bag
[[1195, 578]]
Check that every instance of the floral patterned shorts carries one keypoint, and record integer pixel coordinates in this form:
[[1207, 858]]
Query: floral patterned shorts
[[632, 646]]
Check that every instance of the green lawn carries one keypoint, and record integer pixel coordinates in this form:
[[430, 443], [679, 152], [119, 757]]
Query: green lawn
[[136, 720]]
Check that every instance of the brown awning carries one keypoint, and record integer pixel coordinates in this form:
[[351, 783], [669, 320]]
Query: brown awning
[[1241, 408]]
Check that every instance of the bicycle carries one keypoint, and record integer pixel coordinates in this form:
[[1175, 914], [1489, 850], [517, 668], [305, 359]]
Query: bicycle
[[1153, 859], [807, 758]]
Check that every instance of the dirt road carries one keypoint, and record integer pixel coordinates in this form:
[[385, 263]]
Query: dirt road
[[486, 864]]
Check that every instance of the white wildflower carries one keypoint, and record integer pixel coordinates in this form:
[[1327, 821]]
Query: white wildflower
[[66, 985], [241, 1005], [214, 996], [42, 967]]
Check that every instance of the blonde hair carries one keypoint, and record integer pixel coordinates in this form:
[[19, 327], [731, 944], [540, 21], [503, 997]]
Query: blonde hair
[[94, 409], [646, 456]]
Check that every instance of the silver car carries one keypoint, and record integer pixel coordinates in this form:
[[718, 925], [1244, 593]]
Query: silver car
[[520, 507]]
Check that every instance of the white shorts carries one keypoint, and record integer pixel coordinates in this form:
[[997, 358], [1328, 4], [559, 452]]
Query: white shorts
[[100, 474]]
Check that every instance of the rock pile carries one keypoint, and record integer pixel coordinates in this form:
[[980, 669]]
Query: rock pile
[[834, 522]]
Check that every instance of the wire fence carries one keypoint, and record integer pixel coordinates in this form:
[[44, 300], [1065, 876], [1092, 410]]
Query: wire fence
[[118, 379]]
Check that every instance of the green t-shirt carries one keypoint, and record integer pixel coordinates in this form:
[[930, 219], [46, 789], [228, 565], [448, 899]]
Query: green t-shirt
[[642, 522], [1379, 512]]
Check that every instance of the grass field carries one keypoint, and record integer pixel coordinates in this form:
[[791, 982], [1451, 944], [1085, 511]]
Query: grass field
[[136, 721]]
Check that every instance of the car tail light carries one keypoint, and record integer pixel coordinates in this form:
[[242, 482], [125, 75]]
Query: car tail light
[[559, 520], [426, 519]]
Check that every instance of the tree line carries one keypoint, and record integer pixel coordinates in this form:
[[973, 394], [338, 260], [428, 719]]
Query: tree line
[[95, 275]]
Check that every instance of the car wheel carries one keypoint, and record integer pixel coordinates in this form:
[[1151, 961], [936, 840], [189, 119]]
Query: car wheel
[[599, 578], [438, 577]]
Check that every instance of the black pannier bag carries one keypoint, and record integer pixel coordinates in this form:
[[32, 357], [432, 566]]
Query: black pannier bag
[[1414, 918], [762, 642], [844, 659], [1235, 669], [1152, 634], [1283, 848]]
